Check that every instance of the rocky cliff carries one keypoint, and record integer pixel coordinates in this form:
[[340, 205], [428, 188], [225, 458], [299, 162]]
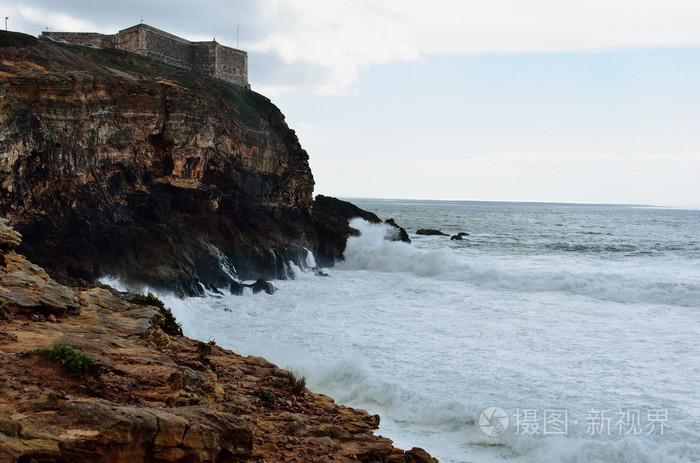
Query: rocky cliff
[[113, 164], [88, 375]]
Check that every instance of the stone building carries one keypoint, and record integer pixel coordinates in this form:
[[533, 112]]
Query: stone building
[[206, 58]]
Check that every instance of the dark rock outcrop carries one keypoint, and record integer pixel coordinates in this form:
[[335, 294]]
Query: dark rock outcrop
[[399, 233], [330, 220], [430, 232]]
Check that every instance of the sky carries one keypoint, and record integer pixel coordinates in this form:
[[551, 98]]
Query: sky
[[585, 101]]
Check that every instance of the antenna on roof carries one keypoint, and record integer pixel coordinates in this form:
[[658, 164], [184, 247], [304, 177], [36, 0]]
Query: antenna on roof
[[6, 18], [141, 19]]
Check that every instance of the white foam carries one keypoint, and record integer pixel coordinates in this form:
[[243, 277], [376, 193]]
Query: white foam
[[428, 338], [370, 251], [310, 260]]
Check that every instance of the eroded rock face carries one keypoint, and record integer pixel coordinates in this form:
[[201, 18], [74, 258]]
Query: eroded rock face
[[111, 164]]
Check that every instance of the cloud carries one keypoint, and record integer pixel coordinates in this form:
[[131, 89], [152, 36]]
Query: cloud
[[347, 38], [323, 46]]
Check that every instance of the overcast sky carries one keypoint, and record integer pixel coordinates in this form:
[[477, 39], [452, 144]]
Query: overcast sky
[[539, 100]]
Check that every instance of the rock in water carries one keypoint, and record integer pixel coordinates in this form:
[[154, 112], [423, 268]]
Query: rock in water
[[262, 285], [330, 218], [430, 232], [236, 288], [400, 233]]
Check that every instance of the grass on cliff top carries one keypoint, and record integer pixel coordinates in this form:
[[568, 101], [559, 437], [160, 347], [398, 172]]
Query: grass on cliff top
[[169, 324], [17, 39], [248, 105]]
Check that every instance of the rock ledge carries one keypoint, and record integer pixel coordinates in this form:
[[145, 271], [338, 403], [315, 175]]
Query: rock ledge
[[160, 398]]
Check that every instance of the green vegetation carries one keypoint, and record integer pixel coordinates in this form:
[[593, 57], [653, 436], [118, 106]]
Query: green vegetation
[[78, 363], [297, 383], [3, 312], [16, 39], [169, 324], [266, 397]]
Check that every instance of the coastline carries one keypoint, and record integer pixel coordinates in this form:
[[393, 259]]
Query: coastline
[[158, 397]]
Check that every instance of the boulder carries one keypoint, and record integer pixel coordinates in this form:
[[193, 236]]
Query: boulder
[[236, 288], [262, 285]]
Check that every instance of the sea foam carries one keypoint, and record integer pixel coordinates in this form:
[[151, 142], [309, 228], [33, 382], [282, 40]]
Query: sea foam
[[370, 251]]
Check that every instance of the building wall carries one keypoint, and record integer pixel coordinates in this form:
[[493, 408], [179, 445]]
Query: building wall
[[159, 45], [232, 66], [207, 58], [204, 57], [131, 40]]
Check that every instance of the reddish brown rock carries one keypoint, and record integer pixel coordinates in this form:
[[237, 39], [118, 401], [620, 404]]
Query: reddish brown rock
[[155, 401]]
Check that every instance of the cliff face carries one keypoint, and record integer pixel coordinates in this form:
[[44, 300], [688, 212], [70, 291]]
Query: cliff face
[[113, 164]]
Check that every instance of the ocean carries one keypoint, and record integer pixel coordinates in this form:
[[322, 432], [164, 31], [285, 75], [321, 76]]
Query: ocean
[[551, 333]]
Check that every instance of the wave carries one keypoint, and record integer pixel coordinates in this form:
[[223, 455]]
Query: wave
[[350, 381], [369, 251]]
